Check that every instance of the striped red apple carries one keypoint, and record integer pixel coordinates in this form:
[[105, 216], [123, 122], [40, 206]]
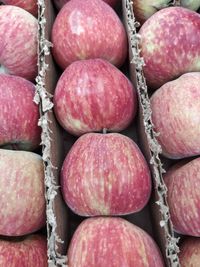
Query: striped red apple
[[112, 242], [18, 42], [183, 184], [144, 9], [175, 115], [190, 252], [88, 29], [92, 95], [19, 115], [30, 251], [22, 200], [28, 5], [105, 174], [169, 44]]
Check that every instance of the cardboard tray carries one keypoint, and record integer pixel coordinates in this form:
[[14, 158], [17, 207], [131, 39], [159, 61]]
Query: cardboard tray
[[61, 223]]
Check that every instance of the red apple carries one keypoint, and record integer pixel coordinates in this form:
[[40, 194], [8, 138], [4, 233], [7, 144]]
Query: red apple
[[28, 5], [190, 252], [183, 184], [88, 29], [169, 43], [92, 95], [105, 174], [19, 115], [144, 9], [175, 115], [22, 201], [60, 3], [112, 242], [18, 42], [30, 251]]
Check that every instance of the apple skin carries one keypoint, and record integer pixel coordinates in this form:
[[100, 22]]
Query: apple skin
[[190, 252], [31, 251], [175, 115], [183, 184], [191, 4], [60, 3], [73, 33], [171, 52], [105, 174], [18, 42], [92, 95], [28, 5], [112, 242], [19, 115], [146, 8], [22, 200]]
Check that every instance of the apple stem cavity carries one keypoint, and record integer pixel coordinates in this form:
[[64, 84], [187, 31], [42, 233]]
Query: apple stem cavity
[[3, 70]]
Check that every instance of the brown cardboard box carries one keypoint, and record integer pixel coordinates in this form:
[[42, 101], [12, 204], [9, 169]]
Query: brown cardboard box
[[61, 223]]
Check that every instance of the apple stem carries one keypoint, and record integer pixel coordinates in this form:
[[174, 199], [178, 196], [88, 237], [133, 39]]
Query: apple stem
[[104, 130], [3, 70]]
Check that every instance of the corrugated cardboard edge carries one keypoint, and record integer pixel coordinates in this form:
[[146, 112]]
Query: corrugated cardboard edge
[[155, 149], [43, 98]]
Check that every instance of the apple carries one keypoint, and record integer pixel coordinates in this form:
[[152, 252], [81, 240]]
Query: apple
[[22, 200], [183, 184], [30, 251], [105, 174], [19, 115], [169, 43], [191, 4], [88, 29], [144, 9], [92, 95], [18, 42], [60, 3], [28, 5], [175, 115], [112, 242], [190, 252]]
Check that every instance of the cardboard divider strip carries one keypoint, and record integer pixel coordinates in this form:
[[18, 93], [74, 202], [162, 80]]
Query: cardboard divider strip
[[45, 84], [151, 148]]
